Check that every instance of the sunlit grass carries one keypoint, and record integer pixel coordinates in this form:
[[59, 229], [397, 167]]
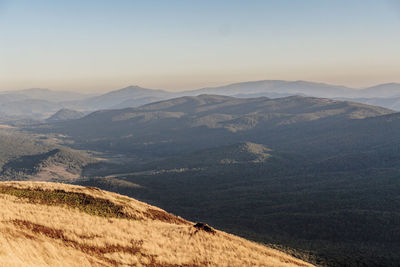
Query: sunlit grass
[[46, 224]]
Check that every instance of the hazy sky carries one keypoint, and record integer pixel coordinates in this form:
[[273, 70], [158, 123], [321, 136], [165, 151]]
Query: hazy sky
[[102, 45]]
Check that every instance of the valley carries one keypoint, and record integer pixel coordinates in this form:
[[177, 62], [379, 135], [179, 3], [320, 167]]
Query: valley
[[200, 133]]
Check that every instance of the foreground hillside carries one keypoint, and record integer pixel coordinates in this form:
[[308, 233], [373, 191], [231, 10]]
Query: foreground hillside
[[53, 224]]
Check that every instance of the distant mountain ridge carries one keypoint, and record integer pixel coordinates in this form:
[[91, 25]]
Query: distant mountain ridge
[[382, 90], [211, 118], [41, 103], [34, 103], [44, 94], [304, 88], [390, 102], [65, 115], [278, 87], [118, 97]]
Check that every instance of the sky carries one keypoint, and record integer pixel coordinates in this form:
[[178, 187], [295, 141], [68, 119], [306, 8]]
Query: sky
[[99, 45]]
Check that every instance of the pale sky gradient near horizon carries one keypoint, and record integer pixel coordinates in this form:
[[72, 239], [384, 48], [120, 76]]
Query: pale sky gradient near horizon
[[97, 46]]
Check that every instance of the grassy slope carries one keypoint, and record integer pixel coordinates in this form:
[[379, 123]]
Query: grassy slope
[[47, 224]]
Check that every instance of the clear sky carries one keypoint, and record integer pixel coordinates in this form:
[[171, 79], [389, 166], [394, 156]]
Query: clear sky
[[99, 45]]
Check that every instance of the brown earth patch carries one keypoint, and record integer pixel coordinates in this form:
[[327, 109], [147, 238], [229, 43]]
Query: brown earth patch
[[85, 248], [164, 217]]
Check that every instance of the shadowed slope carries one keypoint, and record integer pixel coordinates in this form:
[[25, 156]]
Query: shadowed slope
[[210, 120]]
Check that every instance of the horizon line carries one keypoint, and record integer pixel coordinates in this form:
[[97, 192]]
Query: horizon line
[[198, 88]]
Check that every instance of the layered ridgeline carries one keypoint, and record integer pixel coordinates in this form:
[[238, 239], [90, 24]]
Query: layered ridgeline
[[317, 175], [207, 120], [279, 88], [35, 105], [48, 224], [40, 104]]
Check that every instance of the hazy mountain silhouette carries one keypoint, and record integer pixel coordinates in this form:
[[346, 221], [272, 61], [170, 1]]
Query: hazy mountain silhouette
[[278, 87], [43, 94], [134, 94], [65, 115], [40, 103]]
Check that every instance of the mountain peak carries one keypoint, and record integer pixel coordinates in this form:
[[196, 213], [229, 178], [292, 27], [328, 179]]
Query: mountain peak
[[134, 87], [65, 114]]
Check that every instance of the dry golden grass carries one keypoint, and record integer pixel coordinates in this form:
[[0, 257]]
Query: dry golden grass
[[39, 232]]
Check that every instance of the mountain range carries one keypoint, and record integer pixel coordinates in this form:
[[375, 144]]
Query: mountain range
[[39, 104], [213, 119], [314, 177]]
